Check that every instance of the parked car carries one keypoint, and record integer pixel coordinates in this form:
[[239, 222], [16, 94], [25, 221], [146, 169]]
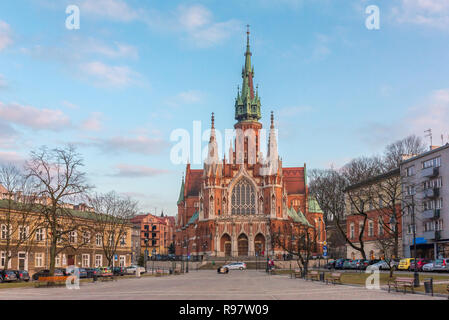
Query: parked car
[[419, 263], [92, 272], [236, 266], [133, 268], [223, 270], [441, 265], [119, 271], [82, 272], [361, 264], [46, 273], [428, 267], [7, 276], [348, 264], [105, 272], [404, 264], [384, 265], [339, 263], [22, 275], [330, 264]]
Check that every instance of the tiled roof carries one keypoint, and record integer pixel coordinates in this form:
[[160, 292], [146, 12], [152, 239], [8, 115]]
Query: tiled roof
[[298, 216], [193, 219], [314, 206]]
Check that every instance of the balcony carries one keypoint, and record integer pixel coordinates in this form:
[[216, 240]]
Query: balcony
[[431, 214], [430, 172], [432, 235], [431, 193]]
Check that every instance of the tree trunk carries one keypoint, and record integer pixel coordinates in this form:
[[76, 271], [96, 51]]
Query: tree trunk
[[53, 255]]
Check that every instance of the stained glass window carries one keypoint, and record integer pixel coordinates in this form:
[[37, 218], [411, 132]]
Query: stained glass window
[[243, 199]]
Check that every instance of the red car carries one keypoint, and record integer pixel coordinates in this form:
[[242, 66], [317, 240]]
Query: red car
[[420, 264]]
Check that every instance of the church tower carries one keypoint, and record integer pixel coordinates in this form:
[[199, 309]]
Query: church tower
[[247, 113]]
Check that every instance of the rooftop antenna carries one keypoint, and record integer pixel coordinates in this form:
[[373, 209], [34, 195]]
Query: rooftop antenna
[[429, 134], [442, 139]]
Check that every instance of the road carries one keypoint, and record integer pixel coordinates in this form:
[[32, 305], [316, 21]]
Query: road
[[208, 285]]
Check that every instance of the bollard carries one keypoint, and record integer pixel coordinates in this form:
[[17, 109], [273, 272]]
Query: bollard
[[428, 286]]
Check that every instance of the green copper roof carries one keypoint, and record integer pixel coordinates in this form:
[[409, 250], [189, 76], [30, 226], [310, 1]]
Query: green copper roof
[[193, 218], [314, 206], [247, 103], [181, 193], [298, 216]]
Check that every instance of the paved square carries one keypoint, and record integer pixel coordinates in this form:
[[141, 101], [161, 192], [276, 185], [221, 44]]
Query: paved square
[[208, 285]]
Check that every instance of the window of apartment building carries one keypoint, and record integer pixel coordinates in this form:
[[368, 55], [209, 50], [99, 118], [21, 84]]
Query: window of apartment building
[[410, 228], [98, 260], [380, 227], [85, 260], [122, 261], [4, 231], [2, 259], [370, 228], [64, 260], [381, 203], [123, 241], [58, 260], [410, 190], [360, 227], [40, 234], [196, 204], [434, 183], [72, 237], [435, 162], [39, 260], [111, 240], [351, 231], [23, 232], [410, 171], [86, 237], [439, 225], [98, 240], [429, 226]]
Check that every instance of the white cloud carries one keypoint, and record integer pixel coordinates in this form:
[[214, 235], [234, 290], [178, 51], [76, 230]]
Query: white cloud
[[186, 97], [34, 118], [93, 123], [117, 10], [7, 157], [432, 113], [5, 35], [433, 13], [110, 76], [200, 28]]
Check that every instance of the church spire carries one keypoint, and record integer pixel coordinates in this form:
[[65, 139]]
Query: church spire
[[247, 106], [212, 155]]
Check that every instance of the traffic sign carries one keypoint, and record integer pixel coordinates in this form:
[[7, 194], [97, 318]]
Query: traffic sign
[[115, 257], [324, 253], [325, 248], [324, 243]]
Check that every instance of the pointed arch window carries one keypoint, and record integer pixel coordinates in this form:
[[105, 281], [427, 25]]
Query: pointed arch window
[[243, 198]]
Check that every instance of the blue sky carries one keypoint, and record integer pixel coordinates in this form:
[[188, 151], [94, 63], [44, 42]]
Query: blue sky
[[137, 70]]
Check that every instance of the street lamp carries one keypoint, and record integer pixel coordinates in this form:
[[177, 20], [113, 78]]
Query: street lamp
[[415, 273]]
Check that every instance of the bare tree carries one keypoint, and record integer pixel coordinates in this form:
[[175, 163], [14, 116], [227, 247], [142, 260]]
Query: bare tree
[[407, 147], [299, 240], [58, 180], [327, 187], [17, 220], [112, 214]]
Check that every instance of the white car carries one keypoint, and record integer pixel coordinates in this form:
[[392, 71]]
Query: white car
[[428, 267], [236, 266], [133, 269]]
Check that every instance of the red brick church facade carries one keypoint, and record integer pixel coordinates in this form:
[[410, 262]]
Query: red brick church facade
[[231, 206]]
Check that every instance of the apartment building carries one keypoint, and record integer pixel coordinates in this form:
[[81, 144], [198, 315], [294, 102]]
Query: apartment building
[[425, 181]]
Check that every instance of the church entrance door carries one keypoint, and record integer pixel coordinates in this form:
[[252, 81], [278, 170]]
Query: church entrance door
[[243, 245]]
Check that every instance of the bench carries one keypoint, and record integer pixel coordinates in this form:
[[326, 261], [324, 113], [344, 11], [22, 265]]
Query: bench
[[313, 275], [55, 280], [404, 282], [335, 277], [297, 274], [107, 277]]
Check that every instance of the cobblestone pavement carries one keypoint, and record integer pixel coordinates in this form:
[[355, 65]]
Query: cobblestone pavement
[[208, 285]]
